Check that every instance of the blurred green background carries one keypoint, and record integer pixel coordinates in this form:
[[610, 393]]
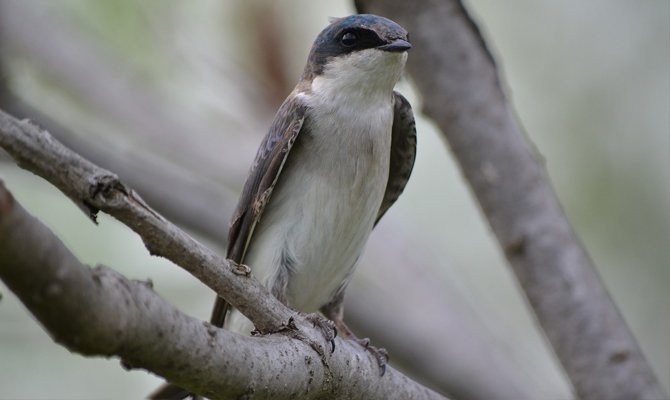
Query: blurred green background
[[590, 82]]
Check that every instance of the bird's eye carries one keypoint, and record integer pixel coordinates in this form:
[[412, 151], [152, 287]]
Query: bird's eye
[[348, 39]]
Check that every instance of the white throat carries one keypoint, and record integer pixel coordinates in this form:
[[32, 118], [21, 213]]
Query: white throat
[[362, 76]]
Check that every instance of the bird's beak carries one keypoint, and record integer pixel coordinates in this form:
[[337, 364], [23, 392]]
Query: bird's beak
[[396, 45]]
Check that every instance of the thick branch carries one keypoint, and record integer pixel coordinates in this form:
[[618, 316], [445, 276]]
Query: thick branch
[[99, 312], [458, 79]]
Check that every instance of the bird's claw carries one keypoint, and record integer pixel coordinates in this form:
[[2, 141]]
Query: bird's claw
[[379, 353], [326, 326]]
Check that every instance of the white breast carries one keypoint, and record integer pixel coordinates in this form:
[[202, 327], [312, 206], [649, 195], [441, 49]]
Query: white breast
[[324, 206]]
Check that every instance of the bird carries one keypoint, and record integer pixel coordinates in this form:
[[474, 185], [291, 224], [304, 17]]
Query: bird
[[338, 154]]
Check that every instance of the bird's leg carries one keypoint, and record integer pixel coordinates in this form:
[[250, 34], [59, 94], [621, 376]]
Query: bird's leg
[[334, 311]]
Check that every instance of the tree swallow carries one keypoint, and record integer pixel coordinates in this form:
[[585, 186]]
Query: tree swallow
[[337, 155]]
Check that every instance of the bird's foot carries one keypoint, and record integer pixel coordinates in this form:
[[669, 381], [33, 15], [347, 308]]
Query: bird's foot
[[379, 353], [326, 326]]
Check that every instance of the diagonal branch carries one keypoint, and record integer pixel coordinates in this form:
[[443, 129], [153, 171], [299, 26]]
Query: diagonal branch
[[99, 312], [93, 188], [459, 82]]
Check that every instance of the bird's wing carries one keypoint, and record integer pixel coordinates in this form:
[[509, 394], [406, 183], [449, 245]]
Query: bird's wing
[[270, 159], [403, 152]]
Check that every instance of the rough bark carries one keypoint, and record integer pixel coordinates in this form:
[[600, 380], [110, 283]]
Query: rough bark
[[459, 82], [99, 312]]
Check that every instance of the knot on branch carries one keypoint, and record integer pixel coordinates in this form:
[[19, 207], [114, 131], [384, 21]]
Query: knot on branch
[[239, 269], [102, 188]]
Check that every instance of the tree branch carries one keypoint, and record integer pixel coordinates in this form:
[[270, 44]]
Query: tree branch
[[459, 82], [99, 312], [93, 188]]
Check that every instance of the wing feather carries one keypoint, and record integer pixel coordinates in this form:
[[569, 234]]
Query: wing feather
[[257, 192], [403, 152]]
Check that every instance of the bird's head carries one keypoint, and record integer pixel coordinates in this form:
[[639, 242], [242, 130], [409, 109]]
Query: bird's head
[[365, 51]]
